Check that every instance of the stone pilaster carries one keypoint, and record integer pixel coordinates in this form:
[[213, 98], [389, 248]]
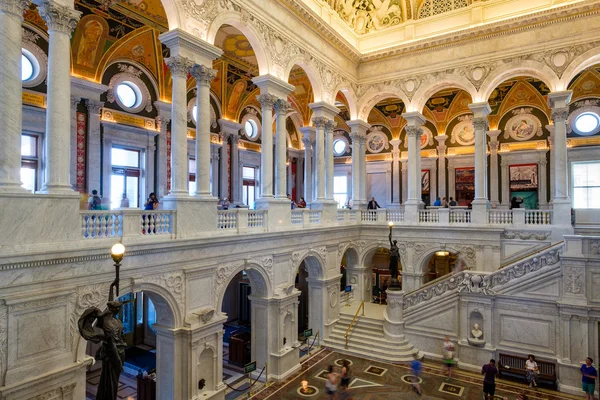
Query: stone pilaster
[[442, 168], [480, 123], [494, 146], [307, 139], [561, 203], [266, 155], [359, 130], [396, 172], [329, 126], [94, 143], [414, 131], [162, 122], [319, 123], [281, 107]]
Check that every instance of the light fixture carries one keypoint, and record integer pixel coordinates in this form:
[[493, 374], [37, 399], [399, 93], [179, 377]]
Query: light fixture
[[116, 252], [391, 223], [442, 253]]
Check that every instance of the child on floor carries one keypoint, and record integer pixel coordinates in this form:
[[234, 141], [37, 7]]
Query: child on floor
[[416, 368]]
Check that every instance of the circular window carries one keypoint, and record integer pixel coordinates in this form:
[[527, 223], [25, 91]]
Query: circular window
[[129, 94], [195, 114], [339, 147], [26, 68], [587, 123], [250, 129]]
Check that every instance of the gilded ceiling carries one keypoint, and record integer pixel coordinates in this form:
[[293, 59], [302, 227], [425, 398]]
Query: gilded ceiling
[[364, 16]]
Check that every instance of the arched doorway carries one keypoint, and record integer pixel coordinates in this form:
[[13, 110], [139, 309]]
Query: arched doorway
[[377, 261], [145, 315], [301, 284], [441, 263]]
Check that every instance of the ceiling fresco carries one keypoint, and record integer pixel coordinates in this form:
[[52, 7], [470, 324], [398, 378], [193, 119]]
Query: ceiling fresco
[[236, 47], [365, 16], [302, 95]]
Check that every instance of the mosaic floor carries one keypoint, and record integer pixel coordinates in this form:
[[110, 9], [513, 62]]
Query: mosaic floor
[[373, 380]]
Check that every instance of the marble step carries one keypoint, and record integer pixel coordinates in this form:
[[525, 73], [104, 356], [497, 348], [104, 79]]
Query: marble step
[[369, 342], [375, 354], [359, 331], [364, 322]]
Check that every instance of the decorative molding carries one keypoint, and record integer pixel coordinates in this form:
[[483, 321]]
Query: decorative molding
[[15, 8], [573, 280], [129, 73], [526, 235], [179, 66], [59, 18]]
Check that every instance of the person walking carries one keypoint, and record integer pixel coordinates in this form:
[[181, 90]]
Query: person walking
[[588, 378], [532, 371], [345, 375], [489, 380], [448, 354], [331, 382], [416, 367]]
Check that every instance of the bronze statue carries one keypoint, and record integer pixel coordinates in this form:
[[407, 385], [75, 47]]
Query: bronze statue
[[109, 331], [394, 257]]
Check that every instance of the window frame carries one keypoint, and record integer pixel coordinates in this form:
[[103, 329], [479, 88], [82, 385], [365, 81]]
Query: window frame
[[33, 160], [128, 171], [587, 187]]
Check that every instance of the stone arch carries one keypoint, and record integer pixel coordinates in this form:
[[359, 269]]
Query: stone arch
[[260, 280], [352, 253], [235, 19], [421, 265], [370, 250], [174, 19], [350, 95], [530, 68], [375, 95], [168, 312], [206, 368], [312, 73], [425, 92], [586, 60], [316, 264], [139, 66]]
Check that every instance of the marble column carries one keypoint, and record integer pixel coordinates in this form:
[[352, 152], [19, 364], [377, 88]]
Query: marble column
[[180, 67], [504, 179], [204, 76], [561, 203], [266, 155], [329, 174], [94, 143], [61, 20], [480, 123], [299, 177], [358, 134], [451, 176], [542, 180], [441, 149], [413, 133], [224, 164], [404, 162], [395, 172], [551, 146], [308, 133], [319, 123], [11, 106], [494, 146], [162, 121], [314, 165], [214, 165], [281, 107], [236, 170]]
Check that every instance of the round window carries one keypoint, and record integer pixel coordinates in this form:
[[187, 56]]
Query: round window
[[129, 94], [587, 123], [339, 147], [250, 129], [26, 68], [195, 114]]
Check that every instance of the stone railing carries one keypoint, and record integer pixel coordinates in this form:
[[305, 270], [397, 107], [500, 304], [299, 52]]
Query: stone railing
[[481, 282], [538, 217], [241, 219], [500, 217], [297, 217], [314, 217], [395, 216], [127, 223], [429, 216], [460, 216]]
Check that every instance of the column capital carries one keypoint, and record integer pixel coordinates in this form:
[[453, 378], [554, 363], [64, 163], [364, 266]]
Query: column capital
[[559, 99], [441, 140], [269, 84], [480, 110], [395, 144], [330, 125], [307, 142], [94, 106], [187, 45], [323, 109], [179, 66], [308, 132], [494, 135], [359, 126], [560, 114], [319, 122], [480, 124], [203, 75], [494, 146], [414, 131], [414, 118], [16, 8], [281, 106], [266, 100], [59, 18]]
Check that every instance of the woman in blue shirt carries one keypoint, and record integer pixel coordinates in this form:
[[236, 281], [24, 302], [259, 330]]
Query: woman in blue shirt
[[588, 378]]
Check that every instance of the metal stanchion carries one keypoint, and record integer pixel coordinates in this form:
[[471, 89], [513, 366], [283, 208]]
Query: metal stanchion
[[267, 374]]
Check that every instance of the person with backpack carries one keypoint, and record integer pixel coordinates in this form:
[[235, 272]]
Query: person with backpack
[[94, 201]]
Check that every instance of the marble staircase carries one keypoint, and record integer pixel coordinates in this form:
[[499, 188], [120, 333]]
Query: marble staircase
[[366, 339]]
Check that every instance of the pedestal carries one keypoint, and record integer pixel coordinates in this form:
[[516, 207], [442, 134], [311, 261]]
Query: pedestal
[[328, 208], [393, 322], [195, 217], [279, 212], [479, 211]]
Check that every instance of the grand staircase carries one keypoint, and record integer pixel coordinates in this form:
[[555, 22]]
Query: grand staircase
[[366, 339]]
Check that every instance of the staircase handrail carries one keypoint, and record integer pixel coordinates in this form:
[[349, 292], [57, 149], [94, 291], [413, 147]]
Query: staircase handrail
[[362, 305], [529, 255], [485, 282]]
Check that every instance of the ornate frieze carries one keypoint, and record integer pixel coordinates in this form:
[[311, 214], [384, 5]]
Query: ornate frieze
[[16, 8], [203, 75], [179, 66]]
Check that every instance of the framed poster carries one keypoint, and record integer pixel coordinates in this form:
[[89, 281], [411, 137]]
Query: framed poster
[[384, 281], [523, 177], [465, 179], [374, 279], [425, 181]]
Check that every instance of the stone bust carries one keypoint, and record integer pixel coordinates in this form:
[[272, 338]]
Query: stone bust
[[476, 332]]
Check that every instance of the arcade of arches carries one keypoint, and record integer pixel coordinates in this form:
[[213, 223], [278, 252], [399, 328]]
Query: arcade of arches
[[258, 158]]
